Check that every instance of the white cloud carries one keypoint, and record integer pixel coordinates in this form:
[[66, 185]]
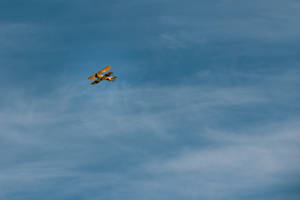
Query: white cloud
[[78, 126], [233, 164]]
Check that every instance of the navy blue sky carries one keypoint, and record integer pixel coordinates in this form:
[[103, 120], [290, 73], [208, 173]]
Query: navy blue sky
[[206, 105]]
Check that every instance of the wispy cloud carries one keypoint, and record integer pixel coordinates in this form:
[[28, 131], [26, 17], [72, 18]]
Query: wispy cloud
[[129, 134], [233, 164]]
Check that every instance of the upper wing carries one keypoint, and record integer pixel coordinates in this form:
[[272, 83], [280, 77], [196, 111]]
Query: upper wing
[[104, 70], [98, 73]]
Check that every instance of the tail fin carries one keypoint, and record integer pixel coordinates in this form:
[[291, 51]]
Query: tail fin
[[111, 78]]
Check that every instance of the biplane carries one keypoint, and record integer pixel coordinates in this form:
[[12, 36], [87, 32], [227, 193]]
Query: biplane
[[100, 76]]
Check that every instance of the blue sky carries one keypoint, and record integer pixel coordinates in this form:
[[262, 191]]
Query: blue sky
[[206, 105]]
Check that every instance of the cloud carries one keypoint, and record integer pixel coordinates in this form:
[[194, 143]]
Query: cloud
[[233, 164], [75, 130], [136, 140]]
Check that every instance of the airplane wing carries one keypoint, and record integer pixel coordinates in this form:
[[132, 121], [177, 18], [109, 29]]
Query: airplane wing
[[92, 77], [96, 75], [104, 70], [96, 81]]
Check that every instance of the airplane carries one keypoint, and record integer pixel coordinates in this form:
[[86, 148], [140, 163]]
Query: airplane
[[100, 77]]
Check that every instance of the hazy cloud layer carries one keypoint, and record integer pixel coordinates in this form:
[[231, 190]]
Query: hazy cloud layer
[[145, 143]]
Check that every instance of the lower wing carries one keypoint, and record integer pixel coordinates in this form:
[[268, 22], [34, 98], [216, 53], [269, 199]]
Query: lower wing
[[96, 81]]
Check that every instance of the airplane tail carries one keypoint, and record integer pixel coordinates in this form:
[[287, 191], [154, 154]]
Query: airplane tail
[[110, 79], [108, 74]]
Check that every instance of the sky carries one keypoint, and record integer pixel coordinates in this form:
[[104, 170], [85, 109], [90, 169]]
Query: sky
[[206, 104]]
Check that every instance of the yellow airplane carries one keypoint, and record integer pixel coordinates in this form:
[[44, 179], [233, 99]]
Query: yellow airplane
[[100, 77]]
